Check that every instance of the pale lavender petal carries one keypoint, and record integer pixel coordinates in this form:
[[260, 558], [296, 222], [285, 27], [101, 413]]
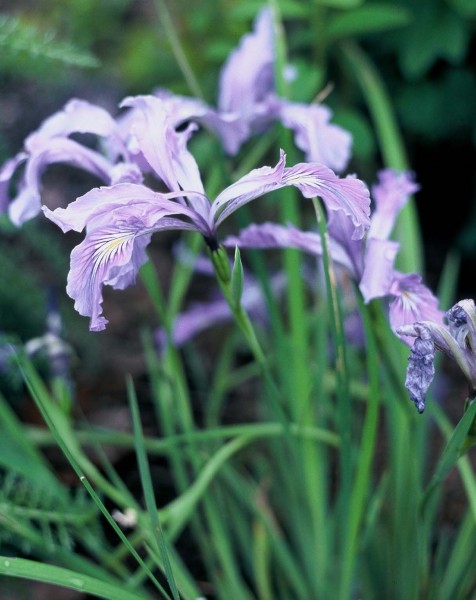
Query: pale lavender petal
[[6, 173], [273, 235], [412, 302], [320, 140], [247, 76], [98, 204], [196, 319], [256, 183], [390, 195], [78, 116], [27, 203], [379, 273], [165, 149], [341, 229], [231, 128], [125, 172], [349, 194], [112, 253]]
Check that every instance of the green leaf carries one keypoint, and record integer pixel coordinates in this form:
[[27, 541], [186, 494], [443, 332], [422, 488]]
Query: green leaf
[[36, 571], [237, 279], [339, 3], [366, 19], [453, 451], [466, 8], [436, 34]]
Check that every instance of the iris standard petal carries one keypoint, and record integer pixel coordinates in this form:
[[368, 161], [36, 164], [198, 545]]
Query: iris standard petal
[[247, 76], [378, 271], [390, 195], [320, 140]]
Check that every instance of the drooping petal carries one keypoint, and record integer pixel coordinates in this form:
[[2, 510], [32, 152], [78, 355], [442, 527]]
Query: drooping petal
[[6, 173], [78, 116], [390, 195], [421, 368], [312, 179], [44, 152], [256, 183], [96, 207], [412, 302], [320, 140], [112, 253], [273, 235]]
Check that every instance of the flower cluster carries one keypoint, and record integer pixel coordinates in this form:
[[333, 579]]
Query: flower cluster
[[150, 138], [148, 141]]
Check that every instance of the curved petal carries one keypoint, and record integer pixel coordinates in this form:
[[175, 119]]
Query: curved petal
[[27, 204], [256, 183], [6, 173], [95, 207], [413, 302], [247, 76], [320, 140], [111, 254], [165, 149], [78, 116], [349, 194], [273, 235], [379, 271], [390, 195]]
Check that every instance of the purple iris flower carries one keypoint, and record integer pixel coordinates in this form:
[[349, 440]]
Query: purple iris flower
[[456, 338], [370, 259], [247, 89], [120, 219], [248, 104], [52, 143]]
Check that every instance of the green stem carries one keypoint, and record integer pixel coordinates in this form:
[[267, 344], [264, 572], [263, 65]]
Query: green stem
[[177, 49], [410, 257]]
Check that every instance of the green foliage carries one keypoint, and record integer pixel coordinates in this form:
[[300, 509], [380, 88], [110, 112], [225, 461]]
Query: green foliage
[[27, 49], [33, 512]]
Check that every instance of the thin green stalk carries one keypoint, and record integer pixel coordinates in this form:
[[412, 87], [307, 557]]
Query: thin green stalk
[[209, 435], [74, 457], [177, 48], [362, 482], [410, 257], [342, 372], [148, 489], [59, 576]]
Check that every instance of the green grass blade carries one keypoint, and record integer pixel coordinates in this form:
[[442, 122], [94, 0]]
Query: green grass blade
[[59, 576], [148, 489]]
